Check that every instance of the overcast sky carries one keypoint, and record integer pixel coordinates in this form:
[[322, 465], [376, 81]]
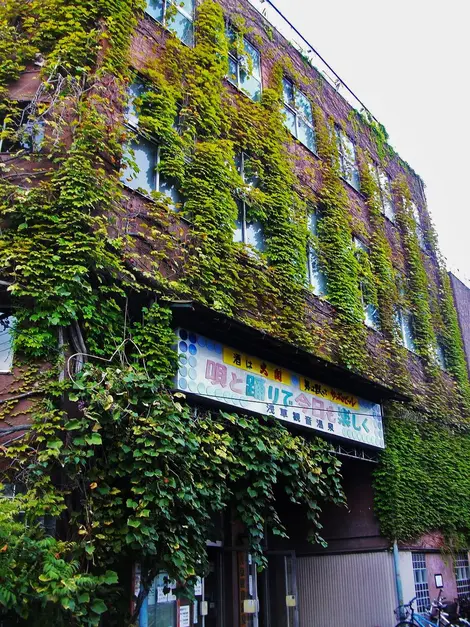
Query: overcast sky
[[409, 63]]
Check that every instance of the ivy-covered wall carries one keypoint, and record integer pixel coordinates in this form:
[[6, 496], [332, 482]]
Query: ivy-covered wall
[[129, 470]]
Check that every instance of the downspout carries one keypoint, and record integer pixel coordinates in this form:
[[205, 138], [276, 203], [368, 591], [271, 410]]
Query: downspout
[[398, 583]]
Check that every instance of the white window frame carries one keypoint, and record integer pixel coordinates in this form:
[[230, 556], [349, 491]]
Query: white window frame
[[316, 278], [347, 163], [298, 113], [6, 344], [183, 12], [156, 176], [239, 61], [242, 209], [35, 129], [420, 578], [371, 312], [404, 317], [419, 226], [383, 180]]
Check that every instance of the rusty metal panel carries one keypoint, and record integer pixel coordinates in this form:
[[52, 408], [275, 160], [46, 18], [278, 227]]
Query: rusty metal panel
[[357, 590]]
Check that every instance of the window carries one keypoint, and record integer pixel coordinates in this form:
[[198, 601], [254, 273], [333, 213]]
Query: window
[[177, 15], [440, 355], [419, 226], [404, 321], [6, 342], [247, 231], [244, 68], [420, 574], [134, 91], [24, 132], [145, 155], [316, 277], [298, 114], [371, 313], [462, 575], [385, 190], [347, 159]]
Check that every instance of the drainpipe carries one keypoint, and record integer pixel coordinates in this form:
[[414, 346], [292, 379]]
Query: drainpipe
[[396, 564]]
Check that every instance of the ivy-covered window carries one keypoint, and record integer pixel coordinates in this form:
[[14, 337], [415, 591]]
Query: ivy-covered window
[[23, 131], [298, 114], [316, 276], [371, 313], [347, 159], [134, 91], [176, 15], [419, 226], [385, 189], [141, 171], [440, 354], [404, 321], [244, 64], [6, 342], [249, 231]]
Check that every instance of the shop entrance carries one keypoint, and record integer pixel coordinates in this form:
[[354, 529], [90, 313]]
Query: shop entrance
[[278, 591]]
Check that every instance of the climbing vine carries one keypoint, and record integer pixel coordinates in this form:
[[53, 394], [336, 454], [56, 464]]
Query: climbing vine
[[128, 467]]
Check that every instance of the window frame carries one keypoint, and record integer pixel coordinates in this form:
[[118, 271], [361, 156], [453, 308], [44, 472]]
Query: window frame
[[242, 207], [386, 195], [345, 161], [420, 580], [419, 229], [179, 9], [462, 583], [402, 315], [298, 113], [6, 314], [318, 285], [36, 135], [238, 60], [371, 321]]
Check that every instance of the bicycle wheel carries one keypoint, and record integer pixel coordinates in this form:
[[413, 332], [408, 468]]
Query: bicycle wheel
[[406, 623]]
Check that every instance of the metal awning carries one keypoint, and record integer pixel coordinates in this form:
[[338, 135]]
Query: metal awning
[[227, 330]]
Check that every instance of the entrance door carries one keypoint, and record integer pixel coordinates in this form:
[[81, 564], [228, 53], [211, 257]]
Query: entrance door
[[278, 591]]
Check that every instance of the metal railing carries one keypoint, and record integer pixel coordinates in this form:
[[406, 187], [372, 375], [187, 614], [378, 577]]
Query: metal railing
[[280, 22]]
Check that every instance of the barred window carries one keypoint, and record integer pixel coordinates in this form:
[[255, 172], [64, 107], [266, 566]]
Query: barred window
[[462, 575], [420, 573]]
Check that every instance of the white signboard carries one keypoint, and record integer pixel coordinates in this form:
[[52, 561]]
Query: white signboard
[[185, 616], [249, 384]]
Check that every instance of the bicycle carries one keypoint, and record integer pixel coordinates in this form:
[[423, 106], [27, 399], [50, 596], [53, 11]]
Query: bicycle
[[436, 616]]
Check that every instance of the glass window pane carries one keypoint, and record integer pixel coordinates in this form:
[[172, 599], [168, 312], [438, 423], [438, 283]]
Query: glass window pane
[[303, 105], [254, 235], [316, 276], [238, 233], [155, 9], [289, 120], [170, 190], [254, 66], [305, 134], [233, 70], [250, 84], [187, 6], [134, 91], [371, 316], [407, 329], [313, 222], [144, 154], [288, 91], [6, 343], [182, 27]]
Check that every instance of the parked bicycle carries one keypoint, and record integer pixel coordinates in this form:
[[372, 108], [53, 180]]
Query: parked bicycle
[[440, 614]]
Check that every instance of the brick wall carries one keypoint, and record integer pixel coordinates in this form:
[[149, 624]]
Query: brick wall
[[462, 304]]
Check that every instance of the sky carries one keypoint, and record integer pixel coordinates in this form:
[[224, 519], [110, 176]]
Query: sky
[[408, 61]]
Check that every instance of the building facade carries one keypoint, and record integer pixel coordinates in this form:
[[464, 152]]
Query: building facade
[[188, 159]]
